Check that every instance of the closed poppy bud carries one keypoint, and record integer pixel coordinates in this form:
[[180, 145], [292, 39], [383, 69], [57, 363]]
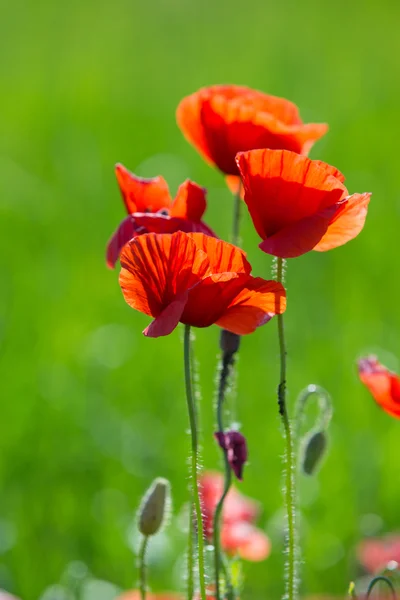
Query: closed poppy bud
[[234, 444], [229, 342], [154, 507], [313, 451]]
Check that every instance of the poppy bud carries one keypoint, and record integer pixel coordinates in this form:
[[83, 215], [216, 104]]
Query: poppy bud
[[234, 444], [229, 342], [154, 507], [313, 450]]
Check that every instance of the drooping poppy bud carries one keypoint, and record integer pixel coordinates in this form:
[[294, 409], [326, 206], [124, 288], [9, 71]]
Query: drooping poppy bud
[[234, 444], [314, 449], [229, 342], [154, 507]]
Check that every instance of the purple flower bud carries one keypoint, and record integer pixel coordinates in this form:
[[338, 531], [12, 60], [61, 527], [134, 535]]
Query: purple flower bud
[[234, 444]]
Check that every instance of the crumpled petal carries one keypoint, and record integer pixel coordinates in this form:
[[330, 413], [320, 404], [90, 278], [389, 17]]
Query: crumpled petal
[[190, 202], [140, 194], [382, 383]]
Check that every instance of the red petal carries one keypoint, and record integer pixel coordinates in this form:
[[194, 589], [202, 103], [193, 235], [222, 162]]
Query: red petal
[[159, 223], [224, 257], [301, 236], [283, 187], [158, 269], [125, 232], [190, 202], [237, 302], [246, 540], [347, 222], [257, 302], [166, 322], [223, 120], [383, 385], [141, 195], [330, 170], [233, 182]]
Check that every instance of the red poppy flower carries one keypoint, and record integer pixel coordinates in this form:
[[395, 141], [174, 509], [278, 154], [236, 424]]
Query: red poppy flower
[[151, 209], [197, 280], [222, 120], [298, 204], [375, 554], [383, 385], [238, 532]]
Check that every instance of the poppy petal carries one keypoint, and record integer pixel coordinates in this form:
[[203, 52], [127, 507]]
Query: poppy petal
[[127, 229], [140, 194], [330, 170], [159, 223], [246, 540], [157, 269], [166, 322], [224, 257], [283, 187], [190, 202], [383, 385], [255, 304], [233, 182], [346, 224], [300, 237]]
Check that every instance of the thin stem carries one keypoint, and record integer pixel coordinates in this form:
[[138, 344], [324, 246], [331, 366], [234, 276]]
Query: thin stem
[[190, 556], [383, 579], [237, 201], [194, 459], [290, 483], [227, 364], [142, 567]]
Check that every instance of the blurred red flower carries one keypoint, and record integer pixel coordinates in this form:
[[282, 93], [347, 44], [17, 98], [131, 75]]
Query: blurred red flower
[[298, 204], [375, 554], [197, 280], [150, 208], [222, 120], [383, 385], [238, 532], [135, 595]]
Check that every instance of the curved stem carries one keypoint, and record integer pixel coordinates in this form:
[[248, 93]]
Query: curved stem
[[227, 364], [194, 459], [142, 567], [384, 579], [290, 483], [236, 215]]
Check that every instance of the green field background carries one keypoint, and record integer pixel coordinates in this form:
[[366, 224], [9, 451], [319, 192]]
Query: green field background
[[91, 411]]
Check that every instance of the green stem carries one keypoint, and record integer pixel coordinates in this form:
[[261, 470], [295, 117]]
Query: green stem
[[290, 482], [227, 364], [383, 579], [237, 201], [142, 567], [194, 459], [190, 555]]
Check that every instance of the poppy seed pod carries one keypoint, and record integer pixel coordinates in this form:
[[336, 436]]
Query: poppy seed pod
[[154, 507], [313, 451]]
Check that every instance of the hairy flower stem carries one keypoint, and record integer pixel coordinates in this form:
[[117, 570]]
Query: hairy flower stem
[[236, 215], [290, 475], [228, 360], [142, 567], [190, 556], [194, 460]]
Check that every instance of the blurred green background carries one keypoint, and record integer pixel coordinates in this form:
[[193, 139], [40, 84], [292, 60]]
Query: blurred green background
[[91, 411]]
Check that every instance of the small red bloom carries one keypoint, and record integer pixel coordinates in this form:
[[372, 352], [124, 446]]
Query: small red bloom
[[375, 554], [238, 533], [197, 280], [151, 209], [298, 204], [383, 385], [234, 444], [222, 120]]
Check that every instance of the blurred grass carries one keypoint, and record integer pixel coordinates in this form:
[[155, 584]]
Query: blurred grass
[[92, 411]]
